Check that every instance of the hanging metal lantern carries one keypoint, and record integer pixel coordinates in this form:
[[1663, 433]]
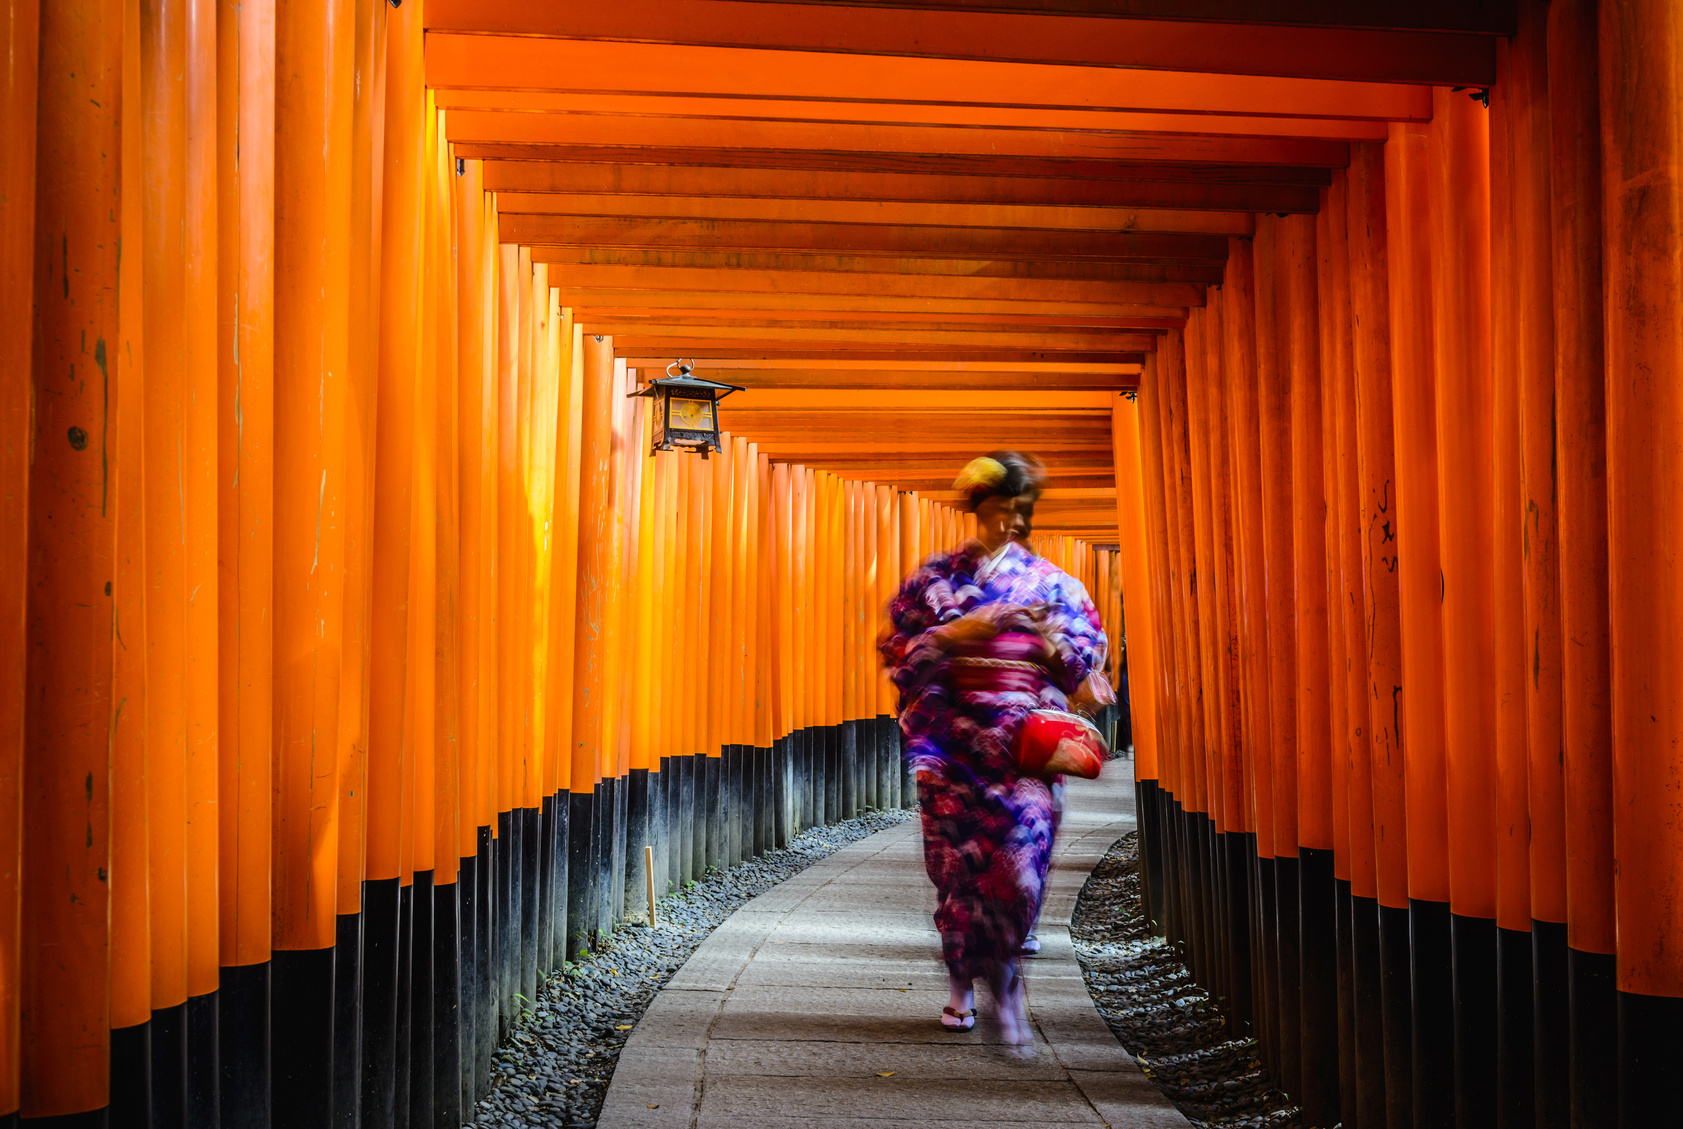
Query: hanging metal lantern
[[686, 409]]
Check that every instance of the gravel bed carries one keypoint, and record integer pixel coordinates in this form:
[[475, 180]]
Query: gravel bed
[[555, 1066], [1171, 1025]]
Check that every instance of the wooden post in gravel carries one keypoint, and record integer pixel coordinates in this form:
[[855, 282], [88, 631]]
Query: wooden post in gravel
[[648, 879]]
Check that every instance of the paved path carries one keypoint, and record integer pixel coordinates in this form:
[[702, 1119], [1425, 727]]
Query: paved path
[[793, 1011]]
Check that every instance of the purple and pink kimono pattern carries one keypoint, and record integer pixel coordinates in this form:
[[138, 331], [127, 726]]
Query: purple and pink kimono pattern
[[987, 831]]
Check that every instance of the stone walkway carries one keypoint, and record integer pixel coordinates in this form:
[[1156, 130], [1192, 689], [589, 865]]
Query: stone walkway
[[817, 1004]]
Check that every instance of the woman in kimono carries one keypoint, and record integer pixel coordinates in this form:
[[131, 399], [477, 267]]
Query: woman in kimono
[[987, 829]]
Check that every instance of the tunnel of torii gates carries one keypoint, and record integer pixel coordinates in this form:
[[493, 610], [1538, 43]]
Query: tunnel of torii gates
[[355, 645]]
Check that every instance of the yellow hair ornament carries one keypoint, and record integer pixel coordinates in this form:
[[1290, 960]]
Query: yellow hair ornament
[[981, 474]]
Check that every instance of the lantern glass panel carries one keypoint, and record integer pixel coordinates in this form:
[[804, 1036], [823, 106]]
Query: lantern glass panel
[[689, 415]]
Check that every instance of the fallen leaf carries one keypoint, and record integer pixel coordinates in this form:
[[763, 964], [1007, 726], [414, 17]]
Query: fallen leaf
[[885, 1074], [623, 1027], [655, 1106]]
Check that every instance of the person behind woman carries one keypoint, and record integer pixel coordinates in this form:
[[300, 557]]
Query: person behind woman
[[978, 637]]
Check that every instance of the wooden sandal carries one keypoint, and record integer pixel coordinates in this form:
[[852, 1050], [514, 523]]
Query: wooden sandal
[[958, 1020]]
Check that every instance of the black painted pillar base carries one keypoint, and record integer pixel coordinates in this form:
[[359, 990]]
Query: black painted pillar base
[[760, 797], [712, 804], [1433, 1044], [636, 838], [1268, 965], [1473, 947], [1322, 959], [684, 766], [1342, 910], [467, 911], [546, 880], [779, 772], [672, 796], [1650, 1054], [888, 762], [301, 1034], [244, 1030], [169, 1065], [1290, 955], [421, 987], [347, 1026], [1551, 1024], [833, 773], [1594, 1025], [580, 895], [560, 849], [532, 878], [610, 846], [849, 769], [1151, 852], [131, 1075], [1368, 1017], [811, 767], [1240, 849], [730, 805], [659, 836], [1396, 1001], [204, 1102], [505, 893], [486, 1004], [1516, 1106], [446, 1012], [622, 847], [405, 1042]]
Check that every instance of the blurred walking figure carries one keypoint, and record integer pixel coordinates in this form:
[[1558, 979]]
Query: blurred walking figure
[[978, 637]]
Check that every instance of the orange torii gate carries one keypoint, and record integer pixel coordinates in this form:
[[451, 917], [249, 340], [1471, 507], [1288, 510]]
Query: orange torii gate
[[354, 646]]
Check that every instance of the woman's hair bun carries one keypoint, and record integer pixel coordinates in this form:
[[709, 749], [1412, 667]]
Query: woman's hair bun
[[1007, 474]]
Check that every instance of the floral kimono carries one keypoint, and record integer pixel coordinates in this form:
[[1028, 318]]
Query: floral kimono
[[987, 831]]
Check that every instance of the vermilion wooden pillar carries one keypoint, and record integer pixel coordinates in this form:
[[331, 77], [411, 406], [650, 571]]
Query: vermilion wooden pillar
[[1313, 691], [589, 683], [1641, 49], [1533, 281], [1413, 272], [19, 41], [1275, 391], [1460, 235], [1361, 1033], [1235, 858], [69, 626], [176, 512], [1513, 1083], [312, 298], [1182, 495], [1581, 389], [245, 290], [1371, 357], [131, 965]]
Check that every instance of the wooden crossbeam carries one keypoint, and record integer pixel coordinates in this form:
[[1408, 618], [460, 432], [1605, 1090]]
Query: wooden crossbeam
[[1105, 39], [691, 156], [893, 212], [536, 62], [485, 127], [690, 178], [821, 273], [729, 303], [691, 108], [716, 236]]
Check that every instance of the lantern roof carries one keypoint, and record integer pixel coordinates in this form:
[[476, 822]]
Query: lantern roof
[[685, 380]]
